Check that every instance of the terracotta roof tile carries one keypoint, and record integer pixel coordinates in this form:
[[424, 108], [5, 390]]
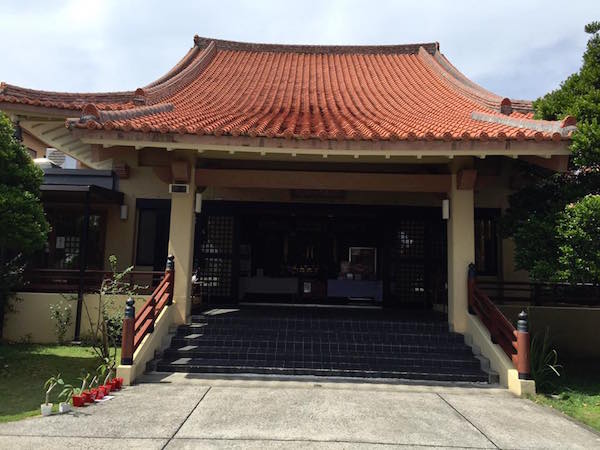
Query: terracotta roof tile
[[408, 92]]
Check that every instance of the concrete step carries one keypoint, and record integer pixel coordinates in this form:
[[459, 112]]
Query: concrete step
[[418, 359], [381, 344], [305, 368]]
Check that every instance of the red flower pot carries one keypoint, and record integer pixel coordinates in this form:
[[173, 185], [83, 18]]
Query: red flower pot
[[120, 380], [102, 389], [115, 384], [99, 394], [94, 393], [107, 388], [78, 401], [87, 396]]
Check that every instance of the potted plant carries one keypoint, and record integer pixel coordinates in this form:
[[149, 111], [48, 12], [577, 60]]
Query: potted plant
[[66, 394], [99, 387], [94, 388], [87, 396], [77, 397], [106, 370], [49, 385]]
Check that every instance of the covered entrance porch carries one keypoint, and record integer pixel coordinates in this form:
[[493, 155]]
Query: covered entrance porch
[[320, 254], [335, 235], [323, 250]]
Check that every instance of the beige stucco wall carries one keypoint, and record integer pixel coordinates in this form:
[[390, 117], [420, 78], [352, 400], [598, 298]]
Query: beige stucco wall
[[142, 183], [574, 331], [181, 246], [151, 343], [479, 335], [461, 252], [31, 321]]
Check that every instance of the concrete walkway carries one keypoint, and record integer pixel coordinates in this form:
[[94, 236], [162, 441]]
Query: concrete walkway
[[184, 411]]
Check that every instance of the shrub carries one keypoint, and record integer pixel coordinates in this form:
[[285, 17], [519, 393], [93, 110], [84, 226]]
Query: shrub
[[62, 316], [544, 362]]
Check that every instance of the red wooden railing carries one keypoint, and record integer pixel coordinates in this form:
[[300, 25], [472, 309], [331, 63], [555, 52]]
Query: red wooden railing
[[539, 293], [70, 280], [514, 342], [137, 326]]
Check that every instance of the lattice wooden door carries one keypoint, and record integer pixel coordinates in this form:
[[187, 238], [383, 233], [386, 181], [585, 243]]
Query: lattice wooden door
[[417, 262], [214, 258]]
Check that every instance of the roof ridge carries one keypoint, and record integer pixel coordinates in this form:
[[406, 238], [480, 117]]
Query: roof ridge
[[21, 92], [520, 105], [90, 112], [222, 44], [177, 68], [561, 127], [468, 88], [156, 93]]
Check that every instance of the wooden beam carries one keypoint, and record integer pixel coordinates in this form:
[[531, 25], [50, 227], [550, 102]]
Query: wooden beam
[[34, 144], [556, 163], [100, 153], [465, 179], [356, 149], [180, 170], [351, 181]]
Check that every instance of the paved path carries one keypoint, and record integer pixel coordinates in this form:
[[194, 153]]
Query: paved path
[[185, 412]]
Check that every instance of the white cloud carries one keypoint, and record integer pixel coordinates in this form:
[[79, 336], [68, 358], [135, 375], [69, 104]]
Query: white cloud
[[515, 48]]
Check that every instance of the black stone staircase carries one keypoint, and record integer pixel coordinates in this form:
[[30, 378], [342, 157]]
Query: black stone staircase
[[322, 342]]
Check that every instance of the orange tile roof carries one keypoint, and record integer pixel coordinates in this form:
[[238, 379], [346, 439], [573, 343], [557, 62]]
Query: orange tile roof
[[402, 92]]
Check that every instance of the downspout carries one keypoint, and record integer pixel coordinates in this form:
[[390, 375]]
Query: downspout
[[82, 264]]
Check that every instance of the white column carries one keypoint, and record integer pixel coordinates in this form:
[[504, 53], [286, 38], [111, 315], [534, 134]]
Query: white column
[[181, 245], [461, 252]]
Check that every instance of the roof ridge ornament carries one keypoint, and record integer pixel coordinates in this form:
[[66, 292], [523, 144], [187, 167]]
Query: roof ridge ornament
[[506, 106], [90, 112], [139, 97], [563, 127]]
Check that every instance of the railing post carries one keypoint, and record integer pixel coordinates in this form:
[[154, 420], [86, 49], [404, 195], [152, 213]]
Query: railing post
[[128, 333], [170, 271], [152, 313], [523, 345], [471, 277], [536, 294]]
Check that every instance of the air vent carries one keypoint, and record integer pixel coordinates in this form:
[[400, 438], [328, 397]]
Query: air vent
[[177, 188]]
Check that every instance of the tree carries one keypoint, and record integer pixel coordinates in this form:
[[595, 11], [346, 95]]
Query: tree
[[536, 218], [578, 232], [23, 226]]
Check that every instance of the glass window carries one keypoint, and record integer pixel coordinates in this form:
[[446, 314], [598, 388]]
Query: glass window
[[486, 241], [63, 249], [146, 237], [152, 236]]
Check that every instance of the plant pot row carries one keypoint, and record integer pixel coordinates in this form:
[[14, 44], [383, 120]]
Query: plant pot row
[[91, 395], [85, 397]]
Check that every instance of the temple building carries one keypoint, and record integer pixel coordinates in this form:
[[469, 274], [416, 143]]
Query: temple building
[[337, 176]]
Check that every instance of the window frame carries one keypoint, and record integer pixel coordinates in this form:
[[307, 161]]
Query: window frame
[[493, 214]]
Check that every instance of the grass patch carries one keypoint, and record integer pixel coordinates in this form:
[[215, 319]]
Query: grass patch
[[25, 367], [577, 393]]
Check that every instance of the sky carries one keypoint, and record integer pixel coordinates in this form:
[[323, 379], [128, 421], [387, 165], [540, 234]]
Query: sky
[[518, 49]]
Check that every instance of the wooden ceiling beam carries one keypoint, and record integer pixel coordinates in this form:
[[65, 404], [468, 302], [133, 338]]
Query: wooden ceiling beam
[[350, 181]]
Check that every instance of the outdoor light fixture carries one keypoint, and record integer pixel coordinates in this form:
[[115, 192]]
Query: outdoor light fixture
[[198, 206], [124, 212], [18, 132], [445, 209]]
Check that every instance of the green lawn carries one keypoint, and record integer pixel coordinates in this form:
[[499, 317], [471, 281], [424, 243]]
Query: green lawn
[[577, 394], [25, 367]]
